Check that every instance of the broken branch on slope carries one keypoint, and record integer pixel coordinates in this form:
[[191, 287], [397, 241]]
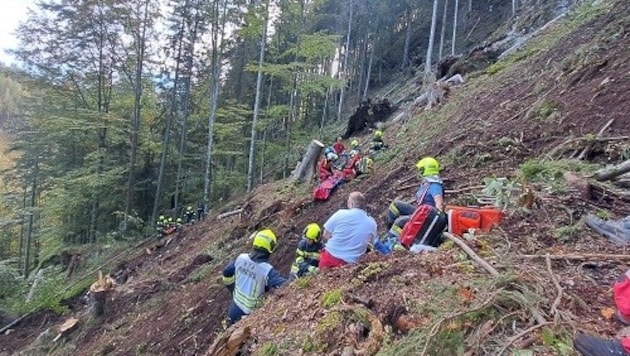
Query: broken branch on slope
[[581, 257]]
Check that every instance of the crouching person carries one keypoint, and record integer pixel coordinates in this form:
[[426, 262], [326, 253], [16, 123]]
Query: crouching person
[[250, 276], [307, 253]]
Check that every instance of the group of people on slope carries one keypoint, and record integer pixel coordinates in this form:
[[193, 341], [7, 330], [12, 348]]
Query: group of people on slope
[[352, 162], [166, 225], [346, 236]]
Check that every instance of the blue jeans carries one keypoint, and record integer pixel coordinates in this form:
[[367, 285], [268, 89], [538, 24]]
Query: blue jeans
[[234, 313]]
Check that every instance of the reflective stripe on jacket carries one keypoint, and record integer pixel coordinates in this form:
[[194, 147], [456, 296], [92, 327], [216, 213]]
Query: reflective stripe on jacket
[[250, 282]]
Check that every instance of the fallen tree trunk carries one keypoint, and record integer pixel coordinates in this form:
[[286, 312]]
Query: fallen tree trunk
[[230, 213], [305, 171], [610, 173]]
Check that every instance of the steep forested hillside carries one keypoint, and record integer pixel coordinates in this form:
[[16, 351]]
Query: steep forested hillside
[[122, 116]]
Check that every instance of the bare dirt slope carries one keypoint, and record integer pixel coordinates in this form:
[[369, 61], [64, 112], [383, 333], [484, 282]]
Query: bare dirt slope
[[567, 83]]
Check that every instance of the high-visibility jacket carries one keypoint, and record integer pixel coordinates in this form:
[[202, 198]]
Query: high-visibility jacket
[[306, 258], [249, 279]]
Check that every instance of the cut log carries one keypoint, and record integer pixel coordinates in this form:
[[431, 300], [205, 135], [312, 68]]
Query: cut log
[[610, 173], [66, 328], [230, 213], [307, 167]]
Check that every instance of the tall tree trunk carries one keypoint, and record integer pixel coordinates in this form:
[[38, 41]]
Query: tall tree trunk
[[31, 220], [345, 62], [216, 74], [369, 68], [455, 27], [324, 113], [427, 65], [405, 59], [361, 66], [264, 148], [261, 59], [443, 32], [514, 6], [294, 99], [184, 109], [22, 230], [140, 50]]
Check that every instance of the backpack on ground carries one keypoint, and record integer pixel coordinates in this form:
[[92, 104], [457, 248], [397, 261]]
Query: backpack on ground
[[425, 227]]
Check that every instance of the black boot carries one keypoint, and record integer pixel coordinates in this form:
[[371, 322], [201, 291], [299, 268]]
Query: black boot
[[589, 345]]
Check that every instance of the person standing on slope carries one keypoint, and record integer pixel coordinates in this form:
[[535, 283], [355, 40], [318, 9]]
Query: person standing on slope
[[250, 276], [347, 233]]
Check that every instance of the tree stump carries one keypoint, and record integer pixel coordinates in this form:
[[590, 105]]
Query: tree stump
[[99, 291], [230, 342], [305, 171]]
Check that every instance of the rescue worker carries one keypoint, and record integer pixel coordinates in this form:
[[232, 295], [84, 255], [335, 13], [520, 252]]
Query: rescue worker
[[354, 147], [377, 143], [159, 226], [307, 253], [326, 164], [190, 215], [250, 276], [201, 211], [179, 223], [338, 146], [431, 190]]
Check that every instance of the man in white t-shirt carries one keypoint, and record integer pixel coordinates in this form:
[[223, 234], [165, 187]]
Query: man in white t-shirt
[[347, 233]]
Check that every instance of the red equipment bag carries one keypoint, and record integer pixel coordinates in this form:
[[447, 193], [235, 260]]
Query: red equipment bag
[[462, 218], [425, 226], [326, 187]]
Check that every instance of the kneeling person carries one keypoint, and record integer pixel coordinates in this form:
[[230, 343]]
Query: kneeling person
[[251, 275], [307, 253]]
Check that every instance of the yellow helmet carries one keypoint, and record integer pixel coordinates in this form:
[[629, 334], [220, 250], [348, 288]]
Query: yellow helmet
[[312, 232], [189, 208], [265, 240], [378, 134], [428, 166], [354, 143]]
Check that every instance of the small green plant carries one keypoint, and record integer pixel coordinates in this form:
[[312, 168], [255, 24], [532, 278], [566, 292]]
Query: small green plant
[[546, 109], [302, 282], [502, 190], [496, 68], [567, 233], [201, 274], [269, 349], [331, 298], [603, 214], [559, 342]]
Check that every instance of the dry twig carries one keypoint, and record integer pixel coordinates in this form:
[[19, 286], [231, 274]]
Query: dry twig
[[556, 302], [480, 261], [520, 335]]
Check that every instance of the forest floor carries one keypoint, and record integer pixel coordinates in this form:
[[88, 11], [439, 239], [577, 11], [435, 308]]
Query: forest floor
[[523, 118]]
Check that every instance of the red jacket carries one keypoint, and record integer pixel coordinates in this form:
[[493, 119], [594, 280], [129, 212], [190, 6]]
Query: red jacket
[[339, 147]]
